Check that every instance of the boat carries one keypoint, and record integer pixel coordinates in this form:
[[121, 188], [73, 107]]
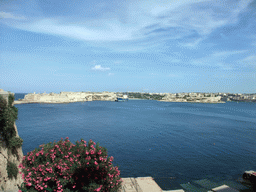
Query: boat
[[250, 177], [123, 98]]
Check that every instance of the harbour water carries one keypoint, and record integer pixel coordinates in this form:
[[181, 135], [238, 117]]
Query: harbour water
[[172, 142]]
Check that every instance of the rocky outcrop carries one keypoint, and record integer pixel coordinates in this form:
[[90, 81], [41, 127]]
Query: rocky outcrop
[[6, 184], [67, 97]]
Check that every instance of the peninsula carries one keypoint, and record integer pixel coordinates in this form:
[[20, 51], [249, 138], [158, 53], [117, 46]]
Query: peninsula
[[67, 97]]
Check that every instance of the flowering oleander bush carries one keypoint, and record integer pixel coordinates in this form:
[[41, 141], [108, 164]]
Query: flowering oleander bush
[[63, 166]]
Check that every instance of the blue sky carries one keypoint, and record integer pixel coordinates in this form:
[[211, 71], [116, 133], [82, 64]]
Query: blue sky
[[136, 45]]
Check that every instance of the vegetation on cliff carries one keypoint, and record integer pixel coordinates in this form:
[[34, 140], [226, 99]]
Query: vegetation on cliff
[[8, 139]]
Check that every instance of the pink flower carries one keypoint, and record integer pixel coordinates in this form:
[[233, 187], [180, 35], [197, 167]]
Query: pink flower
[[98, 189]]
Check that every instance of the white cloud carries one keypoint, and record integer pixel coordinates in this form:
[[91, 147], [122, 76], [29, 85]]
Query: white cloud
[[175, 75], [138, 19], [117, 62], [6, 15], [99, 68], [190, 17], [224, 66], [250, 60], [154, 74], [216, 59], [109, 32], [227, 53], [193, 44]]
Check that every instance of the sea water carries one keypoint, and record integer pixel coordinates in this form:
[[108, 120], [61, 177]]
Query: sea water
[[172, 142]]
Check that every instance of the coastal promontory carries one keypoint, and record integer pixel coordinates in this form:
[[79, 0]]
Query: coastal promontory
[[67, 97]]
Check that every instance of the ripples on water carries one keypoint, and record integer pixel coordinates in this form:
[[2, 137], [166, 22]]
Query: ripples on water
[[150, 138]]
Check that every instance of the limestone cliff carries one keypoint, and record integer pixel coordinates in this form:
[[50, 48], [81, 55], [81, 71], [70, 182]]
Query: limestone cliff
[[6, 184]]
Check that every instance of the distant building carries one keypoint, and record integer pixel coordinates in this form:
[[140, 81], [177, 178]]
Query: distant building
[[5, 94]]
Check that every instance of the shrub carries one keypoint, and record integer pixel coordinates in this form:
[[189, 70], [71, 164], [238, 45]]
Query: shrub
[[15, 142], [12, 170], [8, 116], [64, 166]]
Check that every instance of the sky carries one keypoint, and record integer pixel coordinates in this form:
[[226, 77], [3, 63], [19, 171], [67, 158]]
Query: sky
[[119, 45]]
